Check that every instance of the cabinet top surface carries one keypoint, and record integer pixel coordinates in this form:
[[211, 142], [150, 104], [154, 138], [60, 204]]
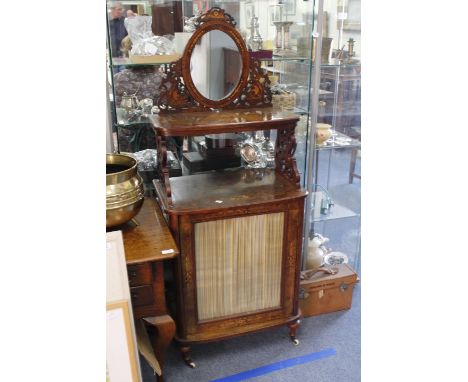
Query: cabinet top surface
[[222, 121], [147, 240], [213, 191]]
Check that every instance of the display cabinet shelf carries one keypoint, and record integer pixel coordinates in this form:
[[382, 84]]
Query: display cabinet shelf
[[133, 123], [292, 58], [337, 211], [124, 61], [339, 141]]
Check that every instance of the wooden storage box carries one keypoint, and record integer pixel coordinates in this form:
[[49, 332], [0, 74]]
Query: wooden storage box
[[325, 293]]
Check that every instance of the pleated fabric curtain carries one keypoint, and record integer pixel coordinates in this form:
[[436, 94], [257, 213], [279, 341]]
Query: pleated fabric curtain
[[238, 265]]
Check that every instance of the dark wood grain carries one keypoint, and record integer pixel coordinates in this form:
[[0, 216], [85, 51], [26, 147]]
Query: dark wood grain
[[139, 274], [218, 335], [162, 330], [141, 295], [222, 121], [151, 299], [146, 241], [229, 189]]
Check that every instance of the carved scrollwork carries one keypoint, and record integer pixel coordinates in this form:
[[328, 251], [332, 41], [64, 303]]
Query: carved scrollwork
[[285, 149], [257, 92], [215, 14], [163, 170], [173, 92]]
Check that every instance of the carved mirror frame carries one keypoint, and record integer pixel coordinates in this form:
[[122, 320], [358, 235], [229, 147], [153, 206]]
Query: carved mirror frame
[[178, 92], [210, 22]]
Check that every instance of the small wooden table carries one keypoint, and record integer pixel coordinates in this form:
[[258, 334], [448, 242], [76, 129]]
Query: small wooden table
[[147, 245]]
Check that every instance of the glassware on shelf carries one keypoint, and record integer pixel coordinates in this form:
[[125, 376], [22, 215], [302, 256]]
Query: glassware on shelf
[[255, 41], [316, 251], [282, 24], [257, 151], [322, 132]]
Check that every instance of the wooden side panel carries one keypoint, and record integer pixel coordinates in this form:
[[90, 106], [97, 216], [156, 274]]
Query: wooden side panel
[[238, 265]]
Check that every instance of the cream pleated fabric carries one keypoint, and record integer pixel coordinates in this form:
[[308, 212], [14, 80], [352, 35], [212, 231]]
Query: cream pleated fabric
[[238, 264]]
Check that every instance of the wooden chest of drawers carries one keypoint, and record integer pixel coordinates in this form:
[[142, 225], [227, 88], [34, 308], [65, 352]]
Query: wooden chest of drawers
[[147, 289]]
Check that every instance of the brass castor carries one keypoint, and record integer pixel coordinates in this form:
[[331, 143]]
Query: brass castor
[[292, 331], [185, 350]]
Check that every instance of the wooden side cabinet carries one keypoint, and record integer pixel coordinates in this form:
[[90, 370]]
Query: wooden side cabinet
[[239, 232]]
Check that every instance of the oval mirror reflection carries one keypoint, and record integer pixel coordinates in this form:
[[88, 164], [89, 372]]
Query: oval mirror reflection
[[215, 65]]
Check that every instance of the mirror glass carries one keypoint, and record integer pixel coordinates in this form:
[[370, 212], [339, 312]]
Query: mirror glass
[[215, 65]]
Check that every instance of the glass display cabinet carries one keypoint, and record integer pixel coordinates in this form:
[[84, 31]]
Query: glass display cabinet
[[335, 166]]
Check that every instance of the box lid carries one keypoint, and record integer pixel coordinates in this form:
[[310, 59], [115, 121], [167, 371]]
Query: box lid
[[321, 280]]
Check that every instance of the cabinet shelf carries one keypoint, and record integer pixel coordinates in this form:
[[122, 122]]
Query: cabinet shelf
[[229, 188], [149, 119], [222, 121]]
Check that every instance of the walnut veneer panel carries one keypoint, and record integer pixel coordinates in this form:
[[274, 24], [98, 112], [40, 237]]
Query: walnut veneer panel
[[147, 240], [229, 189], [222, 121], [238, 265]]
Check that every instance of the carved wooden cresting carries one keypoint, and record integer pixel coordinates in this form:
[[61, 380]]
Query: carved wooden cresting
[[178, 92]]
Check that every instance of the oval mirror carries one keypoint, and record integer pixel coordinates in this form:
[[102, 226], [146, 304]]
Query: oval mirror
[[215, 65]]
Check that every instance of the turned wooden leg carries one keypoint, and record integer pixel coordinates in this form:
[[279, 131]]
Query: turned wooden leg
[[292, 331], [163, 333], [185, 350]]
